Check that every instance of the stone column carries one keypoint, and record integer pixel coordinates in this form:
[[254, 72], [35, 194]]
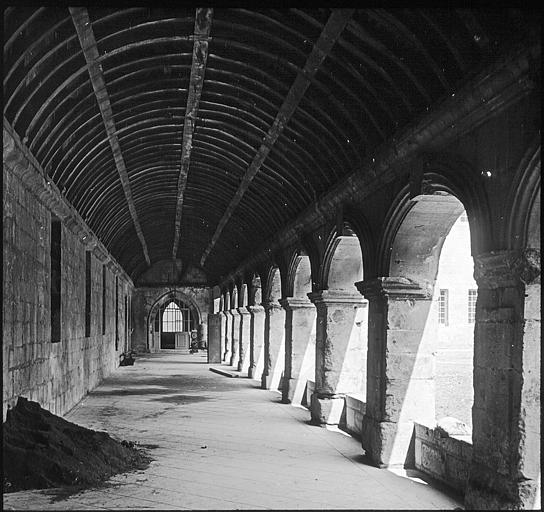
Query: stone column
[[256, 342], [228, 336], [223, 328], [235, 337], [400, 376], [274, 345], [214, 338], [245, 335], [505, 468], [339, 357], [300, 318]]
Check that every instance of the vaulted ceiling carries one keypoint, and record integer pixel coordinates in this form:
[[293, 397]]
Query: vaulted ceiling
[[199, 133]]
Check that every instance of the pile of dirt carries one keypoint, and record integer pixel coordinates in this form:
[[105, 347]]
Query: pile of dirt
[[42, 450]]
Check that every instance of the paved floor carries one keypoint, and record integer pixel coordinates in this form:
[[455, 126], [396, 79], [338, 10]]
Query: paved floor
[[223, 443]]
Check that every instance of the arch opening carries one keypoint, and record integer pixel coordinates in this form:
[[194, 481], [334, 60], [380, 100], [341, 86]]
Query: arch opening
[[274, 338], [341, 334], [300, 330], [174, 321], [430, 322], [346, 269], [454, 303]]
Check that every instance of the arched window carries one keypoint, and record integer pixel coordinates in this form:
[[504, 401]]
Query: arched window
[[172, 318], [176, 316]]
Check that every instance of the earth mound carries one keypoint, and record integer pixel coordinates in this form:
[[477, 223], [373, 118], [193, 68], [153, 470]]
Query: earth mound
[[42, 450]]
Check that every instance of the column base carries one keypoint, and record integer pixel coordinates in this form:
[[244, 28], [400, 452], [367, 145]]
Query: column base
[[489, 490], [388, 444], [266, 381], [293, 391], [327, 411], [286, 391]]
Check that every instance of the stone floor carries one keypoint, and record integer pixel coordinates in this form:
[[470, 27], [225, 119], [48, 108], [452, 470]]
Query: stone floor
[[223, 443]]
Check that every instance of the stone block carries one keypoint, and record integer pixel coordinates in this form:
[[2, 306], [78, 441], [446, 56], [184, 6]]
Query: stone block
[[388, 443], [492, 388], [327, 411], [355, 410], [432, 460], [409, 366], [494, 346], [408, 314], [532, 309], [410, 401], [404, 341]]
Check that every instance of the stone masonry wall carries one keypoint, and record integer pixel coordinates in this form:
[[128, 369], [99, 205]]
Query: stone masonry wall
[[444, 458], [57, 375]]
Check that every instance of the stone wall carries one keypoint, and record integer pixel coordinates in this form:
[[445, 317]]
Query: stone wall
[[57, 375], [146, 297], [308, 392], [354, 411], [445, 458]]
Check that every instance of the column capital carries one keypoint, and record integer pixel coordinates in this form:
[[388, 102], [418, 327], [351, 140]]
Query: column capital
[[394, 287], [292, 303], [243, 310], [271, 305], [326, 297], [256, 308], [498, 269]]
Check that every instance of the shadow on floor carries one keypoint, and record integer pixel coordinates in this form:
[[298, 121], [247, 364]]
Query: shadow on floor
[[182, 399], [181, 363]]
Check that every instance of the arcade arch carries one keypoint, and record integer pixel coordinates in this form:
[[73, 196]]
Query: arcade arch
[[300, 325], [274, 333], [341, 341]]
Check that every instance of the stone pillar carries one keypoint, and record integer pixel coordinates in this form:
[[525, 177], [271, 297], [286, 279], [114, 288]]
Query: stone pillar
[[505, 468], [228, 336], [274, 345], [223, 327], [300, 318], [256, 342], [245, 335], [214, 338], [400, 376], [203, 332], [338, 354], [235, 337]]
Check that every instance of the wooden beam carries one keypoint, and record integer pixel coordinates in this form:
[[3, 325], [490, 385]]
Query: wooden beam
[[85, 33], [493, 90], [328, 37], [203, 22]]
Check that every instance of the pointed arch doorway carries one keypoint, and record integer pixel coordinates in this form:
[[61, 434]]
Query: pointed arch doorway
[[173, 324]]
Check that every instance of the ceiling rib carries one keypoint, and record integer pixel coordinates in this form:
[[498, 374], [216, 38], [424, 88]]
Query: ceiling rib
[[203, 22], [85, 33], [328, 37]]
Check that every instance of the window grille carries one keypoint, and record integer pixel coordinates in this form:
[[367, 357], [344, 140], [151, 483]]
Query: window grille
[[443, 307], [472, 296], [172, 318]]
